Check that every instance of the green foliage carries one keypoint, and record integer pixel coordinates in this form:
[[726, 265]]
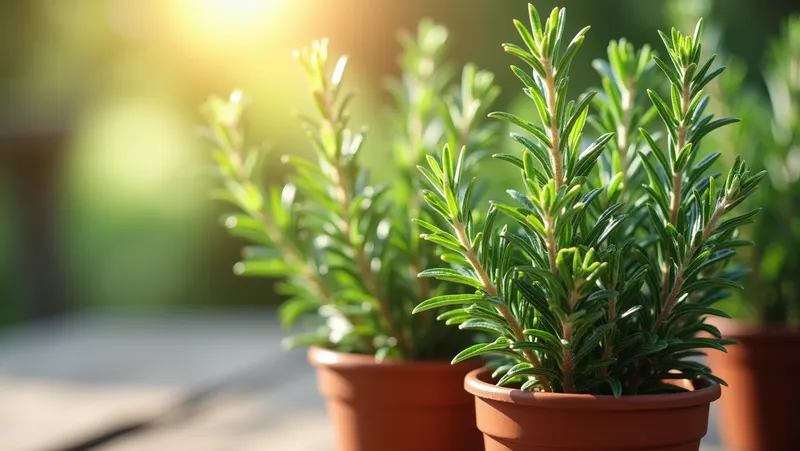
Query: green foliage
[[770, 137], [774, 284], [345, 247], [621, 108], [594, 280]]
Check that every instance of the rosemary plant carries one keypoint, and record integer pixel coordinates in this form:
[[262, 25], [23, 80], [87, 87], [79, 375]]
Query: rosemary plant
[[770, 137], [339, 242], [585, 293], [429, 108]]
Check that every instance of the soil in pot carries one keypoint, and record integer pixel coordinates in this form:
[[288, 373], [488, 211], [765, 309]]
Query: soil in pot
[[760, 408], [397, 406], [515, 420]]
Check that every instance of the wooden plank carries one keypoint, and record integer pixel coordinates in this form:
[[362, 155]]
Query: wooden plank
[[45, 415], [62, 382], [286, 417]]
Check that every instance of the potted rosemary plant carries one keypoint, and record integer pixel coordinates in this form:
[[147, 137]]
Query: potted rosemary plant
[[758, 409], [598, 279], [348, 254]]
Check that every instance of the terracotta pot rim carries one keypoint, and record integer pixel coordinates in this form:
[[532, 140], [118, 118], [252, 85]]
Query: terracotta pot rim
[[319, 356], [477, 383], [735, 329]]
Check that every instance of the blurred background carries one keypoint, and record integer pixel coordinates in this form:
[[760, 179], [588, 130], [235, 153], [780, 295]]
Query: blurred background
[[104, 206]]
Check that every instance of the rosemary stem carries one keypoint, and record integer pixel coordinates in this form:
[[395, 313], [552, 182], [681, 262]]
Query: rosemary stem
[[672, 298], [553, 130], [365, 268], [491, 290], [677, 189]]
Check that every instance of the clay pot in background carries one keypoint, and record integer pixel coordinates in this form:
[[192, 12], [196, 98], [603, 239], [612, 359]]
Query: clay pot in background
[[760, 408], [397, 406], [515, 420]]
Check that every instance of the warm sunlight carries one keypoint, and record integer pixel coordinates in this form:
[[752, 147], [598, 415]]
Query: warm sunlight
[[218, 21], [234, 12]]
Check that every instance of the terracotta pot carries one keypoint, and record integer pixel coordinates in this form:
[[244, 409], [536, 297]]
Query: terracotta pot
[[514, 420], [760, 408], [397, 406]]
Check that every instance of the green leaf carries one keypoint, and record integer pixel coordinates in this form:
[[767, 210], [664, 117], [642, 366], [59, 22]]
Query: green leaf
[[526, 36], [511, 374], [589, 156], [431, 177], [523, 77], [697, 310], [657, 152], [429, 226], [520, 53], [699, 343], [536, 346], [538, 98], [616, 386], [542, 275], [480, 349], [663, 110], [264, 268], [536, 22], [697, 86], [668, 71], [536, 372], [244, 226], [513, 213], [516, 161], [437, 204], [592, 341], [738, 221], [519, 197], [579, 110], [572, 49], [706, 259], [466, 201], [710, 283], [535, 130], [445, 240], [699, 134], [648, 349], [596, 365], [702, 166], [543, 335], [542, 155], [451, 275], [602, 294], [537, 299], [486, 326], [454, 313], [454, 299]]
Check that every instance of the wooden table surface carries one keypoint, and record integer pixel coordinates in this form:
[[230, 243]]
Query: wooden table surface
[[184, 382]]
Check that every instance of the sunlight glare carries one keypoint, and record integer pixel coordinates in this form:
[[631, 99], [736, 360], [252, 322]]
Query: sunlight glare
[[212, 20], [236, 12]]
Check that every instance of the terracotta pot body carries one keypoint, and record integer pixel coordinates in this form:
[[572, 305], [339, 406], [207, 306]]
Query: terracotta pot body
[[397, 406], [515, 420], [760, 408]]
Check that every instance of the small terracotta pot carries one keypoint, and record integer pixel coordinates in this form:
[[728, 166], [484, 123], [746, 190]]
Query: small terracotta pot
[[760, 408], [395, 405], [513, 420]]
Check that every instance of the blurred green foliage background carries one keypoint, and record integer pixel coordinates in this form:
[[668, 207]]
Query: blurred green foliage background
[[135, 228]]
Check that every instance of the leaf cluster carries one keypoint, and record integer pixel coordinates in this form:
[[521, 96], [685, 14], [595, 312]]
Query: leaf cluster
[[590, 288], [769, 136], [340, 242]]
